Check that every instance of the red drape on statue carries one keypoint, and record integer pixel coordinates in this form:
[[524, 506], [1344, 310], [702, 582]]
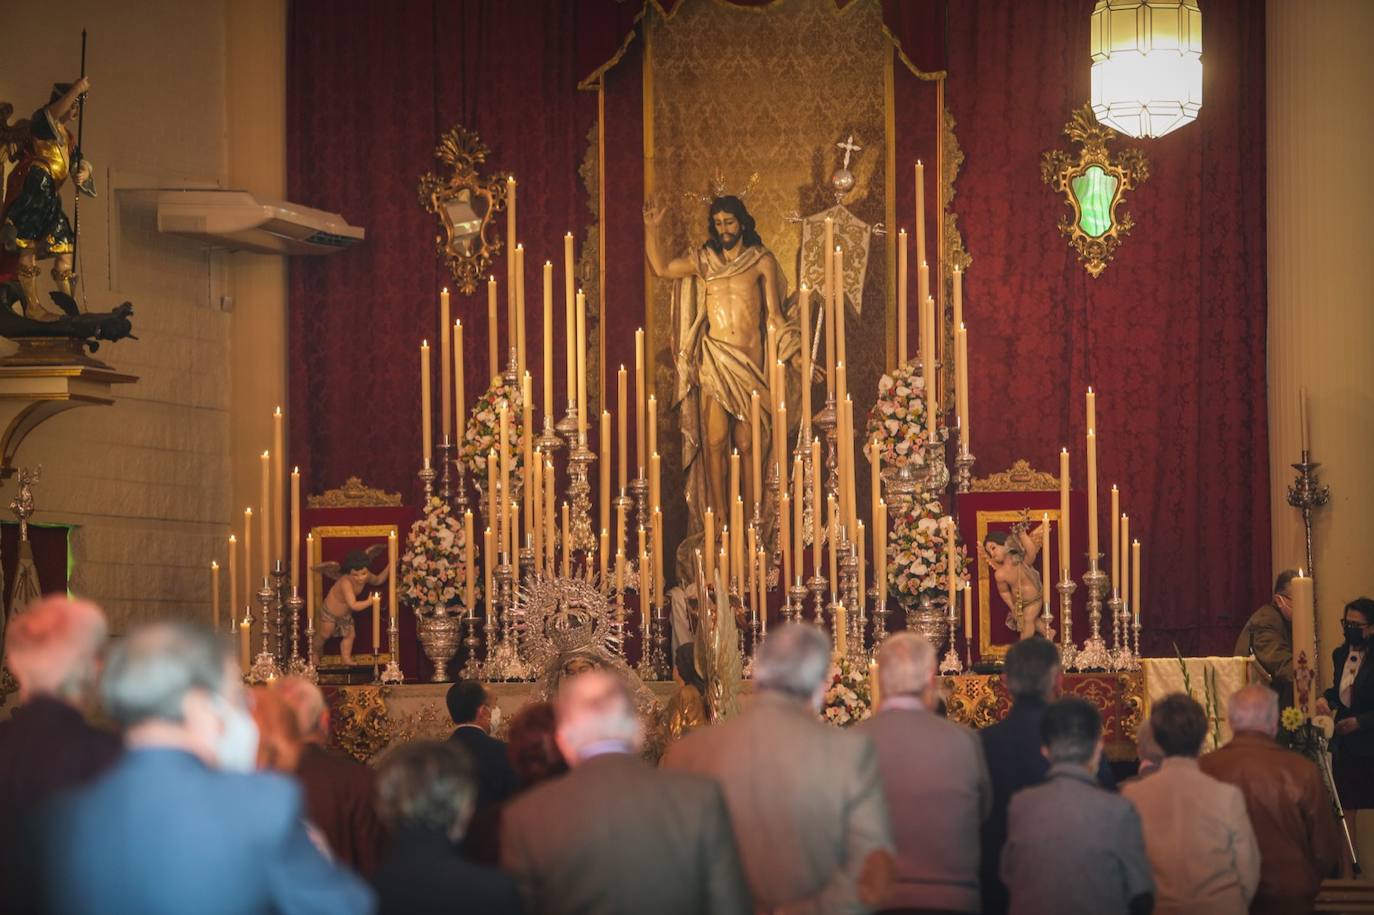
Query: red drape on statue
[[1172, 335]]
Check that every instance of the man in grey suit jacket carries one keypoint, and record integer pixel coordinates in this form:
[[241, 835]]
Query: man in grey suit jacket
[[805, 798], [616, 835], [936, 782]]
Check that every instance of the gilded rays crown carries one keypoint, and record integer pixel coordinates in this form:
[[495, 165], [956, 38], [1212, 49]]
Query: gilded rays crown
[[716, 188]]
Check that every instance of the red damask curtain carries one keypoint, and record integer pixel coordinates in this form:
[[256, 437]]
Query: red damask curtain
[[1172, 335]]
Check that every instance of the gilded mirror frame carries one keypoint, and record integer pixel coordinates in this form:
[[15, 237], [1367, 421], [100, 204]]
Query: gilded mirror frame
[[1060, 169], [467, 247]]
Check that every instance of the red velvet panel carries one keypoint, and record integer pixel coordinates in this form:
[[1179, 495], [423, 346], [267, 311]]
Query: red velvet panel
[[1172, 335]]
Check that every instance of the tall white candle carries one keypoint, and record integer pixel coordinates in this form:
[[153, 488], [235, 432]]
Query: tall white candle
[[426, 430], [901, 298], [445, 368]]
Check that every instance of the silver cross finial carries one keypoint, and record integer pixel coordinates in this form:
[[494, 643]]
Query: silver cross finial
[[849, 147]]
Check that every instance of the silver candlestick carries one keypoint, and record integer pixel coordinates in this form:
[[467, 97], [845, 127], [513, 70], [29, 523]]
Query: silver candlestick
[[311, 672], [472, 668], [818, 583], [963, 465], [950, 665], [1114, 604], [795, 607], [445, 449], [392, 674], [937, 472], [427, 475], [460, 490], [1068, 652], [265, 667], [827, 421], [294, 605], [580, 489], [548, 441], [1126, 659], [1094, 654]]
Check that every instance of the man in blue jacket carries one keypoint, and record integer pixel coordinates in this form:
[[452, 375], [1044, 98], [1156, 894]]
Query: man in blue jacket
[[181, 823]]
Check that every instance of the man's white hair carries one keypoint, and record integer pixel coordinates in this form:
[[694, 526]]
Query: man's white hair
[[1254, 708], [794, 659], [595, 707], [906, 663]]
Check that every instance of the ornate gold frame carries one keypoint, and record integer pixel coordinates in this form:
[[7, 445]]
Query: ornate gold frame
[[317, 556], [1059, 168], [987, 650], [468, 254]]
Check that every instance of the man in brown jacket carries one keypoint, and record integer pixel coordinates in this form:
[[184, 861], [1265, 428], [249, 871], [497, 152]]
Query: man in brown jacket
[[340, 792], [1289, 808], [1268, 635]]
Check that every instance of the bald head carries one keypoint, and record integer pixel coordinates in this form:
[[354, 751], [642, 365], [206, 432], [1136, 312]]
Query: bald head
[[595, 708], [906, 665], [307, 706], [1254, 708], [53, 648]]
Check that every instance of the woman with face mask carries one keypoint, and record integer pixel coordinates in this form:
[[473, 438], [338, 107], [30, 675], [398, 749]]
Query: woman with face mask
[[1350, 701]]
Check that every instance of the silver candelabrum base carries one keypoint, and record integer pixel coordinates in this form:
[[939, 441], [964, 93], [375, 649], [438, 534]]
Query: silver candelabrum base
[[1094, 654]]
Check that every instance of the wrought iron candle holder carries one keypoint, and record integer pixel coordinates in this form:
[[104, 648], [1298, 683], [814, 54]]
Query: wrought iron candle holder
[[1307, 495], [1094, 654]]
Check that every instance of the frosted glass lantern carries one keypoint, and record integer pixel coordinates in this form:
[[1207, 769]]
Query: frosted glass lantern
[[1147, 65]]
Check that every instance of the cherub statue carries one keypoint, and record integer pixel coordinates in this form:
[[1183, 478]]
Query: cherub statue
[[1011, 557], [352, 579]]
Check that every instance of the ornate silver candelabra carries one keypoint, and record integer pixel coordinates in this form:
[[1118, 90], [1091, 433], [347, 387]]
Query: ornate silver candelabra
[[311, 672], [1094, 654], [950, 665], [963, 465], [472, 667], [427, 475], [299, 667]]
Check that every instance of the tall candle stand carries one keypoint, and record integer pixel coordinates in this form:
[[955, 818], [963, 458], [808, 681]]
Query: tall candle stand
[[1094, 654], [265, 667], [1306, 495], [499, 664], [1068, 652], [648, 643], [579, 487], [879, 621], [849, 596], [472, 668], [511, 376], [803, 451], [963, 466], [445, 449], [460, 491], [950, 665], [392, 675], [1135, 626], [548, 441], [774, 489], [294, 605]]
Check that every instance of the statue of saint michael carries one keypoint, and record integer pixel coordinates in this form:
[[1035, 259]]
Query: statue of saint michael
[[728, 293]]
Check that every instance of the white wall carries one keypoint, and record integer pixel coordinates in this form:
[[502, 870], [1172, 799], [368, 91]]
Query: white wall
[[148, 482]]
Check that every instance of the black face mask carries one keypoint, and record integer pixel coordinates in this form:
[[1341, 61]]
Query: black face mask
[[1354, 634]]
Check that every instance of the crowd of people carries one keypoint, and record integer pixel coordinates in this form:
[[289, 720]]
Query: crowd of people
[[216, 798]]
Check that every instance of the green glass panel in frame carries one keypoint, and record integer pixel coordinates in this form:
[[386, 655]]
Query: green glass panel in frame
[[1094, 190]]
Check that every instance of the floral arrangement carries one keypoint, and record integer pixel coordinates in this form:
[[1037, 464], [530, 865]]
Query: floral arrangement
[[432, 571], [898, 417], [483, 426], [847, 701], [917, 557]]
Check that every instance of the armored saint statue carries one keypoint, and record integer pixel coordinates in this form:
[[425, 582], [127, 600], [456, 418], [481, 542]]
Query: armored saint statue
[[727, 294]]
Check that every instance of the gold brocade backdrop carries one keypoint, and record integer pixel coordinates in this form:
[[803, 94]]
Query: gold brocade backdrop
[[770, 91]]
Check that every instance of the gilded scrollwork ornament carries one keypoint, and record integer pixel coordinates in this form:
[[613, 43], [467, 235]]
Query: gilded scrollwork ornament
[[1094, 182], [466, 203]]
